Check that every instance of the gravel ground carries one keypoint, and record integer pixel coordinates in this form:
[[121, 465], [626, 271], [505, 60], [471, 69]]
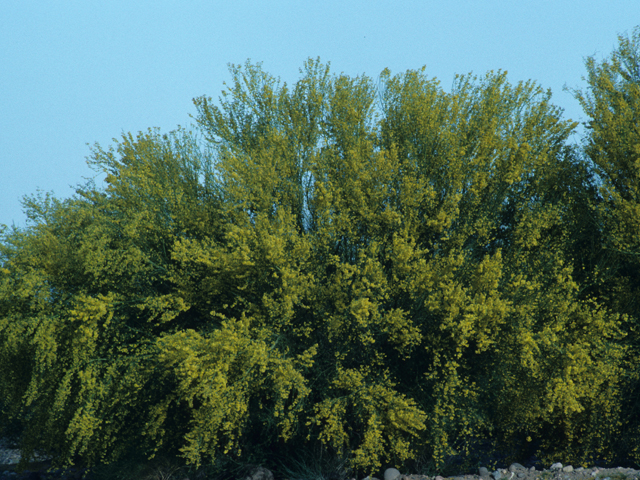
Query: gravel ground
[[518, 472]]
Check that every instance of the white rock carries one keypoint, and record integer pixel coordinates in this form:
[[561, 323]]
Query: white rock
[[567, 469], [391, 474], [556, 466], [260, 473]]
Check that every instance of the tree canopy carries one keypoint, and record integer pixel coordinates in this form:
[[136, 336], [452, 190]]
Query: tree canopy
[[383, 268]]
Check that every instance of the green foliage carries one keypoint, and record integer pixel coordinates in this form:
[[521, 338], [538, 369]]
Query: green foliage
[[385, 272], [612, 144]]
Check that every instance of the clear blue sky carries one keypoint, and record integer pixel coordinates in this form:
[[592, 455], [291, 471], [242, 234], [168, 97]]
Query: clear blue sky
[[76, 72]]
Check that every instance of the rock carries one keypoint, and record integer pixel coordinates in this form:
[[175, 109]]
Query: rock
[[391, 474], [260, 473], [483, 472], [567, 469], [556, 466], [516, 466], [496, 475], [439, 478]]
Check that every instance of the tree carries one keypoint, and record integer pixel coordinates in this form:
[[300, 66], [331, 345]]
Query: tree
[[385, 278], [612, 144]]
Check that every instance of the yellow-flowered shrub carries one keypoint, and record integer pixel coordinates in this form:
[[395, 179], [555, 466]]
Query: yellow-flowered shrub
[[383, 270]]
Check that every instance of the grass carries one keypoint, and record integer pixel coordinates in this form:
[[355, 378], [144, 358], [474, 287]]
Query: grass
[[315, 464], [305, 463]]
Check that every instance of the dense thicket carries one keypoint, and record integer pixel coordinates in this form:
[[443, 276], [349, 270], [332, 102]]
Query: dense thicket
[[385, 268]]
